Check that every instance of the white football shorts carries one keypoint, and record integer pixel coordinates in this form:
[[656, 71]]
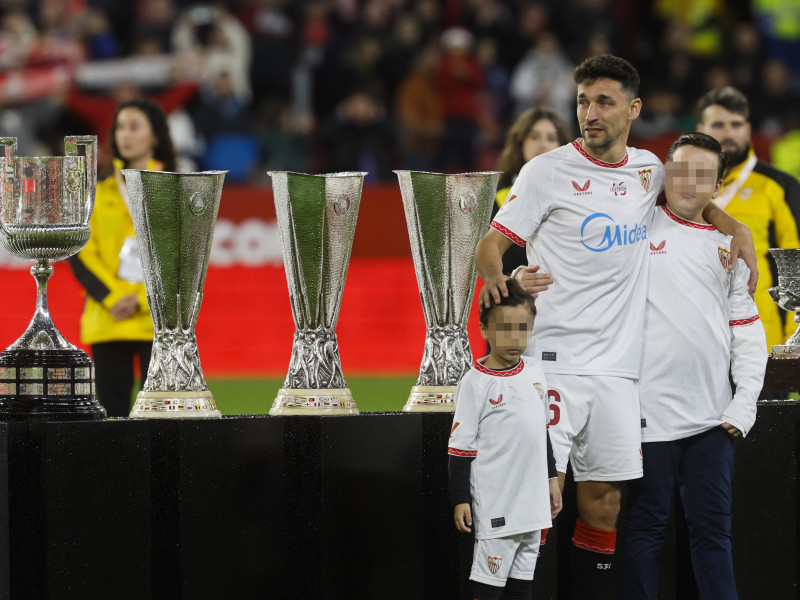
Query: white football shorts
[[496, 559], [595, 422]]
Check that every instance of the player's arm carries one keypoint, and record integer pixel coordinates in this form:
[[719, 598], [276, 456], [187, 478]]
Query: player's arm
[[552, 476], [489, 262], [462, 449], [742, 245], [748, 357]]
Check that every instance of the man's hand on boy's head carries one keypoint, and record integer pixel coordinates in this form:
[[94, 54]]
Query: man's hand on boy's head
[[555, 498], [742, 246], [532, 280], [463, 517], [494, 288]]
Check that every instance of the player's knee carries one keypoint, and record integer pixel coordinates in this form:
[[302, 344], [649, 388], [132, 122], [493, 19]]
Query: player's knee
[[601, 507]]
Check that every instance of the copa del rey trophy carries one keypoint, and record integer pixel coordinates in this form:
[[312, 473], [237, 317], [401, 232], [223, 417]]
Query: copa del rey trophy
[[45, 205], [316, 220], [787, 295], [174, 216], [446, 216]]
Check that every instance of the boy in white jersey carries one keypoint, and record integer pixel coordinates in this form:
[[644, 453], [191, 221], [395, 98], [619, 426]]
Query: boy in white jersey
[[700, 324], [584, 211], [500, 454]]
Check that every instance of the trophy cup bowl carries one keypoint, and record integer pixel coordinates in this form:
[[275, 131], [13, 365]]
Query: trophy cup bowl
[[787, 295], [316, 221], [45, 206], [446, 216], [174, 216]]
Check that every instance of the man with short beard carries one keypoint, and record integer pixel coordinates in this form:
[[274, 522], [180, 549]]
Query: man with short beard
[[756, 194]]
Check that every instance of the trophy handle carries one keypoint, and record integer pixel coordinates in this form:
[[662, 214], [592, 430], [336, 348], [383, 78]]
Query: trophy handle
[[71, 143], [7, 176]]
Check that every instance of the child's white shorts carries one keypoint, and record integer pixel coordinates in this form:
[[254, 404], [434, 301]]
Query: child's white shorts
[[596, 423], [495, 560]]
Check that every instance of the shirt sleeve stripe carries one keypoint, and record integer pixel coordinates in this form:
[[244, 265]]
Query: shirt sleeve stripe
[[457, 452], [736, 322], [508, 233]]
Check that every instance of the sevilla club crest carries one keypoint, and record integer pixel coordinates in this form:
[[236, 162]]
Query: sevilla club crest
[[494, 563], [724, 256], [645, 176]]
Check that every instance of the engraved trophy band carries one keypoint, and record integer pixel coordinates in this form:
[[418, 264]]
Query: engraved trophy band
[[316, 220], [446, 216]]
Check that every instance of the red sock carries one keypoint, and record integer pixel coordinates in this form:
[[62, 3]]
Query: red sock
[[601, 541], [543, 537]]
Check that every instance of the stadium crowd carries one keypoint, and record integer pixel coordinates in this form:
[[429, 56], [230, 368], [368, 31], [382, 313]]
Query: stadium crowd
[[326, 85]]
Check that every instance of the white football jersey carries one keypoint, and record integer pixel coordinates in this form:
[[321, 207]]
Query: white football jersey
[[700, 323], [586, 222], [501, 419]]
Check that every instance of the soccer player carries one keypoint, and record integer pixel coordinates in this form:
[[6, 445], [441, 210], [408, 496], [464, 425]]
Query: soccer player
[[583, 211], [700, 324], [500, 455], [755, 193]]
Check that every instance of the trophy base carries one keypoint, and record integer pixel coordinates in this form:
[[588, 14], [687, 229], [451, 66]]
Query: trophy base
[[324, 401], [785, 351], [174, 405], [431, 398], [48, 384]]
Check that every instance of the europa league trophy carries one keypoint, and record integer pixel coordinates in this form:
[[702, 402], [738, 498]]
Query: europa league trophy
[[174, 216], [787, 295], [45, 205], [316, 220], [446, 216]]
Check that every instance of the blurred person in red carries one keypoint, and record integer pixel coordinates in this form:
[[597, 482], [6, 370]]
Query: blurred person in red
[[418, 105], [116, 319], [460, 79]]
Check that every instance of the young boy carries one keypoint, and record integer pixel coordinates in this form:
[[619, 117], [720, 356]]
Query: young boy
[[700, 325], [500, 453]]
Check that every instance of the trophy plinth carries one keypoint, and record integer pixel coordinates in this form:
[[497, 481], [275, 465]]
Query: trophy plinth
[[174, 216], [316, 221], [45, 206], [446, 216]]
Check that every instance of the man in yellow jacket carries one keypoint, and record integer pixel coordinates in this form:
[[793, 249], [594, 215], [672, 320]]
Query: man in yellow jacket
[[757, 194]]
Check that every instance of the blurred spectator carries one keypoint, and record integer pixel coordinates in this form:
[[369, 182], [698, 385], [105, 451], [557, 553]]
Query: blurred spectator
[[153, 29], [785, 152], [359, 137], [284, 136], [273, 29], [544, 78], [223, 43], [491, 20], [401, 50], [460, 80], [578, 21], [224, 120], [779, 23], [418, 105], [17, 39], [774, 98], [744, 58], [494, 105], [101, 43], [660, 109], [701, 21]]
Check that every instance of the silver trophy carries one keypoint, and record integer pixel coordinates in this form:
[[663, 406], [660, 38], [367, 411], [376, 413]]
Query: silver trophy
[[446, 216], [787, 294], [45, 205], [316, 220], [174, 216]]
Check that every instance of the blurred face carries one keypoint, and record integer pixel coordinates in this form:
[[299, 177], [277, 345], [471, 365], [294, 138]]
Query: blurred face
[[731, 130], [691, 181], [134, 136], [605, 114], [542, 138], [507, 333]]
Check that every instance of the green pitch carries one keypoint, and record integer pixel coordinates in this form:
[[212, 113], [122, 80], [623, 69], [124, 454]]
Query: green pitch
[[255, 396]]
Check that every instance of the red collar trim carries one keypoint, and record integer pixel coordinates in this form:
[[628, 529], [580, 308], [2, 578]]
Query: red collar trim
[[504, 373], [577, 145], [681, 221]]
